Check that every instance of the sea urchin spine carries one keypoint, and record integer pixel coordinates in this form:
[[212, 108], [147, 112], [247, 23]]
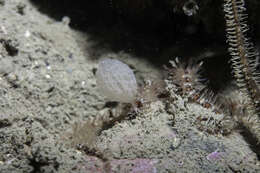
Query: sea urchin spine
[[189, 83]]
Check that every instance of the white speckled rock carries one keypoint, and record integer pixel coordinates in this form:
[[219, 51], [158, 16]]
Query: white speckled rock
[[116, 81]]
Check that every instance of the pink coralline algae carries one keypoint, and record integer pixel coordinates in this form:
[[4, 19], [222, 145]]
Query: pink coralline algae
[[215, 156], [139, 165], [134, 166]]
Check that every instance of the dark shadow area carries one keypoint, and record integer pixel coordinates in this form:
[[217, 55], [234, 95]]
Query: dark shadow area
[[146, 28], [218, 70], [251, 140]]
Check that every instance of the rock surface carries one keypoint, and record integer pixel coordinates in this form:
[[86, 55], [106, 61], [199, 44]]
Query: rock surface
[[47, 84]]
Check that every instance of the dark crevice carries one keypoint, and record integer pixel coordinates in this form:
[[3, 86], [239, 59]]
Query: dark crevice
[[111, 104], [9, 47], [36, 165], [5, 123], [251, 140], [150, 33], [92, 152]]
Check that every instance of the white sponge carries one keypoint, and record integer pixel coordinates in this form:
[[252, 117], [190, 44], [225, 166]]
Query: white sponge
[[116, 81]]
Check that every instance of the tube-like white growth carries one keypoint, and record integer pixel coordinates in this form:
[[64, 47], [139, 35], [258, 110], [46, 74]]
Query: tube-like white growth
[[116, 81]]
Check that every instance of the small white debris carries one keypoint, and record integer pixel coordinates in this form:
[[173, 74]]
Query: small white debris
[[12, 78], [3, 30], [65, 20], [27, 34], [47, 76], [49, 67], [83, 83]]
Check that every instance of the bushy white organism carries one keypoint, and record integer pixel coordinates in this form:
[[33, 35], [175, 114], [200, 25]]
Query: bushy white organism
[[116, 81]]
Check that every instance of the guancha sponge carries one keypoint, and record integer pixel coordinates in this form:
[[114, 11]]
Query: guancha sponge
[[116, 81]]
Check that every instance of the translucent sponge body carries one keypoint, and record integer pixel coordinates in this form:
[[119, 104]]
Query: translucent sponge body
[[116, 81]]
